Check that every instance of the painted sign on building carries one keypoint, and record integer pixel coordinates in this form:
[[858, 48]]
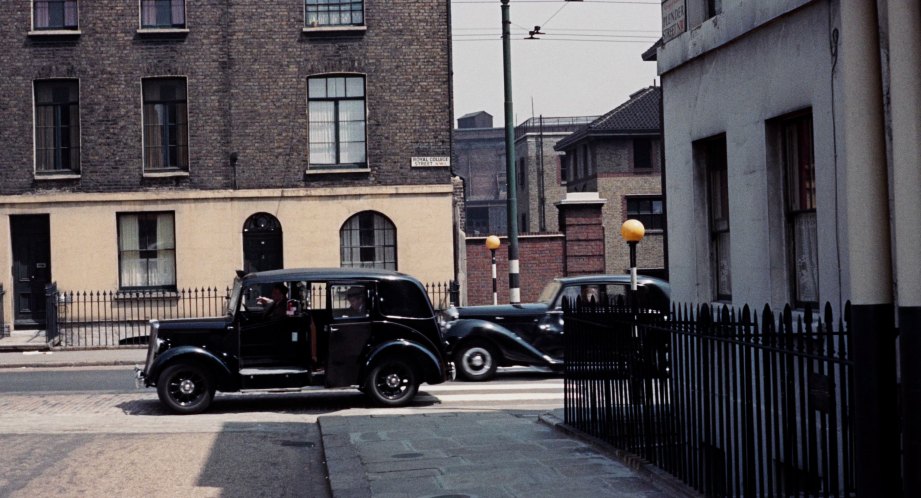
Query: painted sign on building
[[431, 161], [674, 19]]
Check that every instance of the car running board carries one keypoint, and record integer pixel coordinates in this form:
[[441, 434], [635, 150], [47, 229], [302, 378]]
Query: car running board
[[273, 371]]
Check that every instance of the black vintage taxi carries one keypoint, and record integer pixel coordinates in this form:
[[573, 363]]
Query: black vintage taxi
[[301, 329], [482, 338]]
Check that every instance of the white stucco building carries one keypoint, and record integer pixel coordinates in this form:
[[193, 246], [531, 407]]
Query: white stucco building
[[792, 132], [778, 119]]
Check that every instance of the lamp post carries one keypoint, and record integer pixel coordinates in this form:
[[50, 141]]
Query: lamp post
[[514, 279], [492, 243], [511, 191], [632, 231]]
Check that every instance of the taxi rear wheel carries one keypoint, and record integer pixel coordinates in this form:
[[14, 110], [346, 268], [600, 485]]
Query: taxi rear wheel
[[392, 382]]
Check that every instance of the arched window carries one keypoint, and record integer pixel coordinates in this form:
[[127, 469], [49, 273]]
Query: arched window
[[368, 240]]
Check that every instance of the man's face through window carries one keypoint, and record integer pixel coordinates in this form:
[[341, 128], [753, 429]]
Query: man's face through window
[[356, 299]]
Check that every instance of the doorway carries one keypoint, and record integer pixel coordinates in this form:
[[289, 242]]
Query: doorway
[[262, 243], [31, 240]]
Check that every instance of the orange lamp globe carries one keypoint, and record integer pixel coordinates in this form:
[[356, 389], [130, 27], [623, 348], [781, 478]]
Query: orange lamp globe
[[492, 242], [632, 231]]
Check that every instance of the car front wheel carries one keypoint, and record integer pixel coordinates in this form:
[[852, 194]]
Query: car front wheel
[[392, 383], [476, 361], [186, 388]]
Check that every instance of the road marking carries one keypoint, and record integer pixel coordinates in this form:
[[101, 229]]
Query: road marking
[[454, 398], [467, 386]]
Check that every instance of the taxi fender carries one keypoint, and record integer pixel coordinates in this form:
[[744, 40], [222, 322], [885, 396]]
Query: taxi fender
[[423, 359], [189, 353]]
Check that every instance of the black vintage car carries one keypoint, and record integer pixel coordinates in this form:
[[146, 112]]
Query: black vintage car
[[303, 328], [482, 338]]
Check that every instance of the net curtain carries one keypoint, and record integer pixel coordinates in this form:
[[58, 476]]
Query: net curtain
[[145, 269], [55, 13]]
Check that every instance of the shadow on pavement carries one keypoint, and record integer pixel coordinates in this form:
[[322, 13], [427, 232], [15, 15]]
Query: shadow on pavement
[[277, 459], [316, 402]]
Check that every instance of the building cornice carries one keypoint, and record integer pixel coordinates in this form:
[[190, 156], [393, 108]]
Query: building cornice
[[160, 196]]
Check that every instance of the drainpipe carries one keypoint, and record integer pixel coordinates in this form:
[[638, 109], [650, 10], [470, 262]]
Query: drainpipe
[[905, 102], [868, 242]]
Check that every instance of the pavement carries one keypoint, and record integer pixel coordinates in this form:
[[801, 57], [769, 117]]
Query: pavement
[[494, 453]]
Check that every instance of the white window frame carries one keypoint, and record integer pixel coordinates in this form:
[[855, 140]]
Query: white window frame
[[63, 30], [164, 30], [119, 238], [338, 167], [319, 28]]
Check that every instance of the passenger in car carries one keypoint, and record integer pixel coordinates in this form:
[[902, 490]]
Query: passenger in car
[[356, 298]]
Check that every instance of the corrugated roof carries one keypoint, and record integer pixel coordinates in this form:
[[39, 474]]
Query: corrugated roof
[[640, 114]]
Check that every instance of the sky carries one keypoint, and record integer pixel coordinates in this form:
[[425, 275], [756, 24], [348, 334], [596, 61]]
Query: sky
[[588, 62]]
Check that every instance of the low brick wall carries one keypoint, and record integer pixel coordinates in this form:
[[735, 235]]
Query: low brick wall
[[540, 260]]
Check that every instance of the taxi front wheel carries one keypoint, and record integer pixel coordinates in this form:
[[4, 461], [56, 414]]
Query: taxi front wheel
[[186, 388]]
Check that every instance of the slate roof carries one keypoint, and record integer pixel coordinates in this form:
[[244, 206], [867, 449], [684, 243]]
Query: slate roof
[[639, 115], [472, 114]]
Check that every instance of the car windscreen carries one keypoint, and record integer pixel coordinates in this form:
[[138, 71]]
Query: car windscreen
[[402, 298], [234, 298], [549, 292]]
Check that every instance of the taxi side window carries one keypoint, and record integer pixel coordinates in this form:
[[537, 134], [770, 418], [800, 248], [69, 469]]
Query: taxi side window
[[349, 300], [399, 298]]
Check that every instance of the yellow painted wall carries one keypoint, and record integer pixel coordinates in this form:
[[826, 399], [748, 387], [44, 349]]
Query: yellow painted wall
[[209, 225]]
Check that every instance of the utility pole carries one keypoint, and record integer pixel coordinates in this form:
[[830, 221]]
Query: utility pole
[[514, 282]]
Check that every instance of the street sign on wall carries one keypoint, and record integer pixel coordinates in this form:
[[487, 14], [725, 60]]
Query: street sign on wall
[[431, 161], [674, 19]]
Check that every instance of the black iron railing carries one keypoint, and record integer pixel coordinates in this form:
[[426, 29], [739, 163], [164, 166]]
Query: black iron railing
[[102, 319], [3, 326], [731, 403], [442, 294], [91, 319]]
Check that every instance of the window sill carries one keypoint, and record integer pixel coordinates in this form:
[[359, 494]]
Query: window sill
[[54, 33], [57, 176], [165, 174], [333, 30], [165, 32], [327, 171]]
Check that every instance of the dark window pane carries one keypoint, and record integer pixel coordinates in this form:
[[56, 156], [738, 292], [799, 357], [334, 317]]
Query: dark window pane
[[166, 133], [333, 13], [54, 14], [647, 210], [368, 240], [799, 169], [714, 151], [642, 153], [57, 126], [336, 122], [403, 299], [162, 13]]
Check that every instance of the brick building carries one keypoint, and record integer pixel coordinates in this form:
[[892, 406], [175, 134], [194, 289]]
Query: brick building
[[538, 165], [480, 160], [618, 156], [164, 143]]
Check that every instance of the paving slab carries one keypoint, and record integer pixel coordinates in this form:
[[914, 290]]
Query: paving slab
[[486, 454], [72, 358]]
